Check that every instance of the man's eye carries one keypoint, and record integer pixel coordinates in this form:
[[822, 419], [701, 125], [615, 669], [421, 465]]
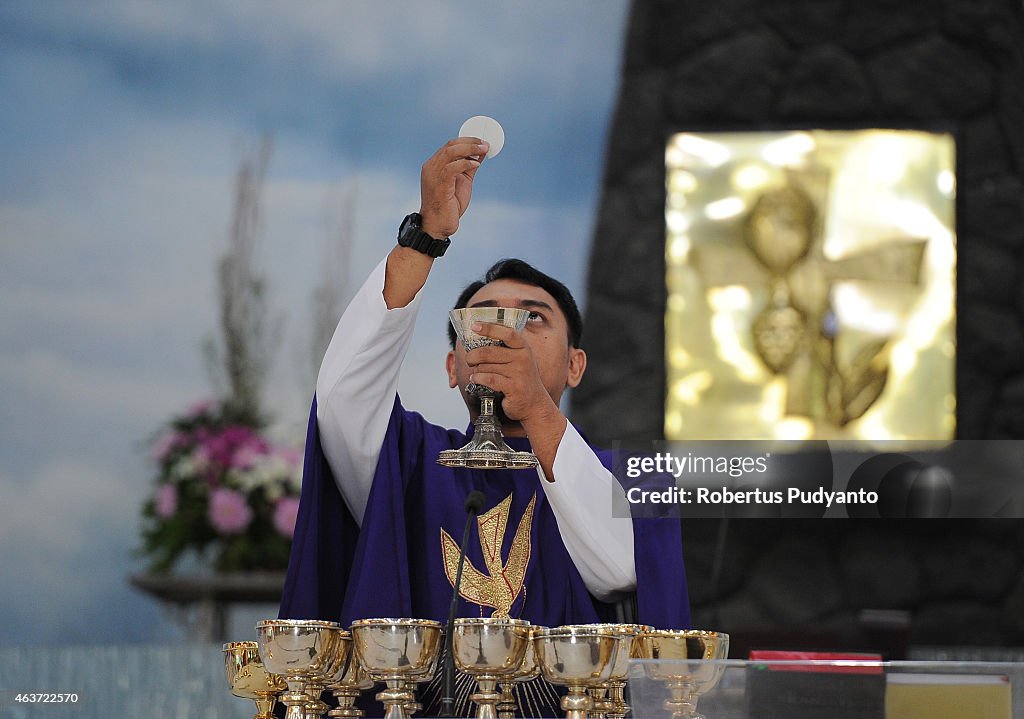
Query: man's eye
[[535, 317]]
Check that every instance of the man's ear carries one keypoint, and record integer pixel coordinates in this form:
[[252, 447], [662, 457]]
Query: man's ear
[[449, 365], [577, 366]]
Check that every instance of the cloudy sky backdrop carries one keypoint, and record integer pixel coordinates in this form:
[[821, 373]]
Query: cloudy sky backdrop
[[122, 125]]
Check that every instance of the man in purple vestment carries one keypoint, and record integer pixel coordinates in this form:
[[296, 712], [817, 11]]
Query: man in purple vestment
[[374, 536]]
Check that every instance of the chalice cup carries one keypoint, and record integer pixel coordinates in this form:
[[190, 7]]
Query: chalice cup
[[487, 448], [346, 680], [526, 671], [488, 649], [302, 651], [331, 671], [609, 698], [248, 678], [580, 657], [347, 687], [398, 652], [690, 671]]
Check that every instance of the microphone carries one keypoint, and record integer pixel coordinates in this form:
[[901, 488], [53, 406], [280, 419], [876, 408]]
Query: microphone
[[474, 503]]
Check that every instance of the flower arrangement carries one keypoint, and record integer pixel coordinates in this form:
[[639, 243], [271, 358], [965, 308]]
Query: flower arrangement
[[223, 490]]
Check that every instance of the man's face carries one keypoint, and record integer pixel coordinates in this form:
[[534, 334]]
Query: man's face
[[546, 332]]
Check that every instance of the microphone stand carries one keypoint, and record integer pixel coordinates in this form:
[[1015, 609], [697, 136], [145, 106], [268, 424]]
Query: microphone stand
[[474, 503]]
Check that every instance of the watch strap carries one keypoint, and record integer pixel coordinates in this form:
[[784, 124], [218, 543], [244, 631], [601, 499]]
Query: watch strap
[[411, 234]]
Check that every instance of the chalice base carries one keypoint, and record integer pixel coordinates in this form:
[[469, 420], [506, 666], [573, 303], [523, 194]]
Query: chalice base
[[487, 449], [346, 708]]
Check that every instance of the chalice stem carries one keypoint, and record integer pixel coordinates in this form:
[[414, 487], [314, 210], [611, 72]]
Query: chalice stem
[[295, 699], [395, 698], [683, 701], [265, 707], [577, 703], [617, 700], [507, 705], [346, 697], [486, 697]]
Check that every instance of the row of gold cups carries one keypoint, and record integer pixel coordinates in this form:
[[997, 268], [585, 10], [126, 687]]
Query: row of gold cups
[[294, 661]]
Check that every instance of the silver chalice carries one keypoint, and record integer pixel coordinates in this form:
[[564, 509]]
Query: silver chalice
[[487, 448]]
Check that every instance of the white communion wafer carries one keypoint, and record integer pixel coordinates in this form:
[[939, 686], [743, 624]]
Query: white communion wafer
[[487, 129]]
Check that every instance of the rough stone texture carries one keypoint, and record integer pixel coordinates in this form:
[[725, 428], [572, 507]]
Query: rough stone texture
[[733, 80], [991, 339], [679, 28], [994, 208], [826, 82], [972, 567], [789, 593], [871, 24], [790, 19], [982, 153], [975, 395], [953, 65], [961, 623], [641, 135], [988, 273], [1008, 416], [1013, 609], [880, 570], [959, 81]]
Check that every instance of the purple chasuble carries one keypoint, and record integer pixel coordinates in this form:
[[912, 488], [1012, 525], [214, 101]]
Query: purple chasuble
[[393, 566]]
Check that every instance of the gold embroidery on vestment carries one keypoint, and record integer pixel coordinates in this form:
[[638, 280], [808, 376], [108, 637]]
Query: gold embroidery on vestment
[[503, 582]]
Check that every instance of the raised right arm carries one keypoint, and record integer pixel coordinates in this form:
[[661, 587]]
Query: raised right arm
[[358, 378]]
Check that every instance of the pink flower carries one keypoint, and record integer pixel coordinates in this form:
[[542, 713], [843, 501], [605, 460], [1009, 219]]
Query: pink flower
[[164, 444], [229, 513], [199, 409], [220, 448], [246, 457], [285, 512], [290, 455], [166, 501]]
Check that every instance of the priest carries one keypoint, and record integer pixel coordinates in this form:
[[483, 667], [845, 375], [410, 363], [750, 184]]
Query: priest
[[374, 536]]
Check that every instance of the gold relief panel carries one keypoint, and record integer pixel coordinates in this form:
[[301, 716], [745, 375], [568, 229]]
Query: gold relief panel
[[811, 285]]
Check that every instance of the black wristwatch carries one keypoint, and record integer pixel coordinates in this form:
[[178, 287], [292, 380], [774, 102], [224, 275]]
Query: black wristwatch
[[411, 234]]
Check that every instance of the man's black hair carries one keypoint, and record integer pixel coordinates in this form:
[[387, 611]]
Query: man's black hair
[[513, 269]]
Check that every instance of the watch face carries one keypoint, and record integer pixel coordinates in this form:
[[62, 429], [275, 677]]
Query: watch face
[[407, 230]]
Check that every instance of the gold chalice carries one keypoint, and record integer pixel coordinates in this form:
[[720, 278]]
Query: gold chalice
[[528, 670], [489, 648], [487, 449], [688, 673], [346, 679], [249, 678], [609, 698], [347, 688], [302, 651], [398, 652], [579, 657]]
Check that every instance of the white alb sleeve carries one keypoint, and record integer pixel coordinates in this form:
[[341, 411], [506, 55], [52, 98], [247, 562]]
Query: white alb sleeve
[[600, 545], [357, 384]]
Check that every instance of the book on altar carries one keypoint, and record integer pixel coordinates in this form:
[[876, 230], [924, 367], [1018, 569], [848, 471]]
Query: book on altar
[[823, 685], [947, 696]]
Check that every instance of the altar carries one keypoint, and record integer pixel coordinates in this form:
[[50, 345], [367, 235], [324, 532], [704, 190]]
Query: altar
[[188, 680]]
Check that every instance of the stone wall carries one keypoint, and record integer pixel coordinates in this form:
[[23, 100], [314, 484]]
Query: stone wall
[[953, 65]]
